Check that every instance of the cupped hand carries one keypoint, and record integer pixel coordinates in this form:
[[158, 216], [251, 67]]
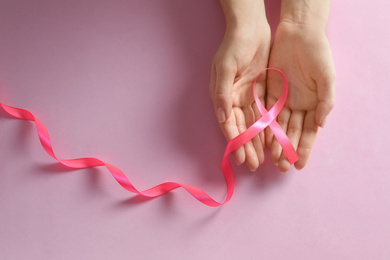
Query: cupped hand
[[303, 54], [239, 59]]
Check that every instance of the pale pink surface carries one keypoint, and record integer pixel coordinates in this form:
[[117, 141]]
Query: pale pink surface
[[127, 82]]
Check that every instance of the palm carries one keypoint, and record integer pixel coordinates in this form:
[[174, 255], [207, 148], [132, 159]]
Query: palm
[[248, 68], [308, 65]]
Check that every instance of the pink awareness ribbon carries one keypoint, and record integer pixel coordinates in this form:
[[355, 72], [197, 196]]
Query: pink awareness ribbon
[[267, 119]]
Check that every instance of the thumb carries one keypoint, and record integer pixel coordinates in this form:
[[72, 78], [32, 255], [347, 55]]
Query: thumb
[[326, 93], [222, 95]]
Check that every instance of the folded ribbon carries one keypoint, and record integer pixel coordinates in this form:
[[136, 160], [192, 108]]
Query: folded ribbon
[[267, 119]]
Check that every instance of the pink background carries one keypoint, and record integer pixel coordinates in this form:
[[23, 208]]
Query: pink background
[[127, 81]]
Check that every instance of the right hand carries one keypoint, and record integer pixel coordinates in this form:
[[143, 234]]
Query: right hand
[[240, 58]]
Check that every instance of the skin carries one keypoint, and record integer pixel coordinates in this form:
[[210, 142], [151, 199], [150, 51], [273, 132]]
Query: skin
[[300, 49], [243, 53]]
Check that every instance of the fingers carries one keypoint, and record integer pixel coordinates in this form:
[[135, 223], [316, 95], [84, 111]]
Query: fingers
[[326, 93], [260, 90], [230, 130], [259, 141], [251, 158], [294, 133], [251, 117], [276, 148], [221, 86], [309, 135], [269, 135]]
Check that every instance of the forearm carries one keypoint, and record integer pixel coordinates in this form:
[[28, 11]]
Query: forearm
[[244, 14], [312, 13]]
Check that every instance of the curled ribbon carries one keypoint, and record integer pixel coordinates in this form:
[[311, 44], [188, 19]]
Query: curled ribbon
[[267, 119]]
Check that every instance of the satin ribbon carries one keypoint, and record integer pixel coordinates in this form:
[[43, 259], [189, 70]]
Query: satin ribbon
[[267, 119]]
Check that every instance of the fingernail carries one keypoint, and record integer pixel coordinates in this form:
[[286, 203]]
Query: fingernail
[[252, 170], [323, 121], [221, 115]]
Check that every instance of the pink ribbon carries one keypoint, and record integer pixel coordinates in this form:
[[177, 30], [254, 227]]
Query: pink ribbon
[[267, 119]]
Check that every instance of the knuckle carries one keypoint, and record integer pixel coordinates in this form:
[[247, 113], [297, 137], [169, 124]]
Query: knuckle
[[225, 67], [330, 77], [294, 130], [328, 104], [331, 104], [220, 97], [282, 121]]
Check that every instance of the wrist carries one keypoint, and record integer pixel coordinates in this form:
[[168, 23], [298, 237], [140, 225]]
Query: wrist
[[305, 13], [244, 16]]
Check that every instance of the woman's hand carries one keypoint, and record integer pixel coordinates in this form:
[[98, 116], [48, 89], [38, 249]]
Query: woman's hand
[[301, 50], [241, 56]]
